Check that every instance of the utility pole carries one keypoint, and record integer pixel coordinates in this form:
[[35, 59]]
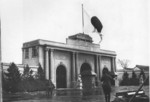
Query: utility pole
[[1, 92], [82, 19]]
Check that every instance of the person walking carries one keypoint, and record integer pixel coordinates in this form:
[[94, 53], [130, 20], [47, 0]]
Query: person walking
[[50, 87], [106, 83]]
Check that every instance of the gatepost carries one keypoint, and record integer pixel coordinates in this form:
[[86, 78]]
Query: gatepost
[[88, 81]]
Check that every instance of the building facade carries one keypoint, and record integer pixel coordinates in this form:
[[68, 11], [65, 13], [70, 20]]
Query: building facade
[[63, 62]]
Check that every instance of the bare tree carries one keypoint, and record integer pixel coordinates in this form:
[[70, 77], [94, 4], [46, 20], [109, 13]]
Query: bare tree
[[124, 63]]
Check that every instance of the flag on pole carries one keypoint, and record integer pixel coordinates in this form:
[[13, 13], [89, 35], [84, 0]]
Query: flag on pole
[[91, 23], [97, 26], [86, 20]]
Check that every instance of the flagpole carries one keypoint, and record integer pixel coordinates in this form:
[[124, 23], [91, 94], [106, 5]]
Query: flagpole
[[82, 20], [1, 92]]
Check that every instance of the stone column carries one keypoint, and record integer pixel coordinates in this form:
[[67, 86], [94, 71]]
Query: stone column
[[113, 71], [100, 74], [113, 64], [23, 55], [73, 69], [52, 74], [76, 66], [100, 67], [97, 68], [47, 63]]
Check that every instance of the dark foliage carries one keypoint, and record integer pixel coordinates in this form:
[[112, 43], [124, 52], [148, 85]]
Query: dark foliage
[[134, 80], [14, 82], [125, 79], [27, 73], [13, 78], [29, 83], [40, 73], [32, 85]]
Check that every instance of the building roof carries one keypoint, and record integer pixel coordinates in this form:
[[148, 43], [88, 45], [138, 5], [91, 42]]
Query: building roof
[[129, 69], [125, 69], [81, 36], [142, 67], [77, 42]]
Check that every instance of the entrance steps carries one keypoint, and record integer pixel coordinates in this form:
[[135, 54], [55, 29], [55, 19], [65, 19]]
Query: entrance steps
[[76, 92]]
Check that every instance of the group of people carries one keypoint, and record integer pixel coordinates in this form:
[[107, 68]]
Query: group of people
[[105, 79]]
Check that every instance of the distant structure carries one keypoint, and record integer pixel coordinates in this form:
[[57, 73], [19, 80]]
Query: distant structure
[[137, 69], [142, 67], [63, 62]]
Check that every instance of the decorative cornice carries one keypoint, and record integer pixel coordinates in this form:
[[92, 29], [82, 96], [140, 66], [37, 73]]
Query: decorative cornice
[[82, 37], [73, 48]]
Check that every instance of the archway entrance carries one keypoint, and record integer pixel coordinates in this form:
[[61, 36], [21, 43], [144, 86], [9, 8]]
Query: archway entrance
[[61, 81], [88, 79], [85, 67]]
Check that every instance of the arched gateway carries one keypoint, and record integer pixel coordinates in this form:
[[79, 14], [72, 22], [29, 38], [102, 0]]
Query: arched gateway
[[61, 81], [63, 62], [85, 67]]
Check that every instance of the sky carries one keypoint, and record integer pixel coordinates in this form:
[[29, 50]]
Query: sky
[[125, 25]]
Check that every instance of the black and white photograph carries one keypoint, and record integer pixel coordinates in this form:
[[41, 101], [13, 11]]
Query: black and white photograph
[[74, 50]]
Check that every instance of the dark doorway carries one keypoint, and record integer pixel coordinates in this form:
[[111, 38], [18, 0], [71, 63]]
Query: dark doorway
[[61, 81], [85, 67]]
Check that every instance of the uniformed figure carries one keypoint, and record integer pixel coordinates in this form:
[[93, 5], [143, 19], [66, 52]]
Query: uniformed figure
[[50, 87], [106, 83]]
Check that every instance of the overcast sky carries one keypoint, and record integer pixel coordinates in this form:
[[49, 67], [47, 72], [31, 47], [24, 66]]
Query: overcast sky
[[125, 25]]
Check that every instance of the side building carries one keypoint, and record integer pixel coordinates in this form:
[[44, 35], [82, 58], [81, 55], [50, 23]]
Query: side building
[[63, 62]]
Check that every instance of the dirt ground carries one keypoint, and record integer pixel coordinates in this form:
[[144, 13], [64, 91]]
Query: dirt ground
[[130, 88], [41, 97]]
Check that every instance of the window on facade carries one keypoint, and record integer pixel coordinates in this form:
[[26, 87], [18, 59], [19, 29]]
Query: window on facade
[[26, 53], [34, 51]]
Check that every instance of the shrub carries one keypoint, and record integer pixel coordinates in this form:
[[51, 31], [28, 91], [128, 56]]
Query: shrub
[[13, 77], [40, 73], [27, 73], [14, 82], [30, 86], [125, 79], [134, 80]]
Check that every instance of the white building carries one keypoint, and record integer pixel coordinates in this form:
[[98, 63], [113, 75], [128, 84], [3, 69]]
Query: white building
[[63, 62]]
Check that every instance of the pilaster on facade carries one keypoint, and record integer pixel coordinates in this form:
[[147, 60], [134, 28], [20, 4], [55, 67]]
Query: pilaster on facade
[[97, 67], [100, 62], [47, 63], [76, 65], [23, 54], [52, 75], [73, 70], [114, 64]]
